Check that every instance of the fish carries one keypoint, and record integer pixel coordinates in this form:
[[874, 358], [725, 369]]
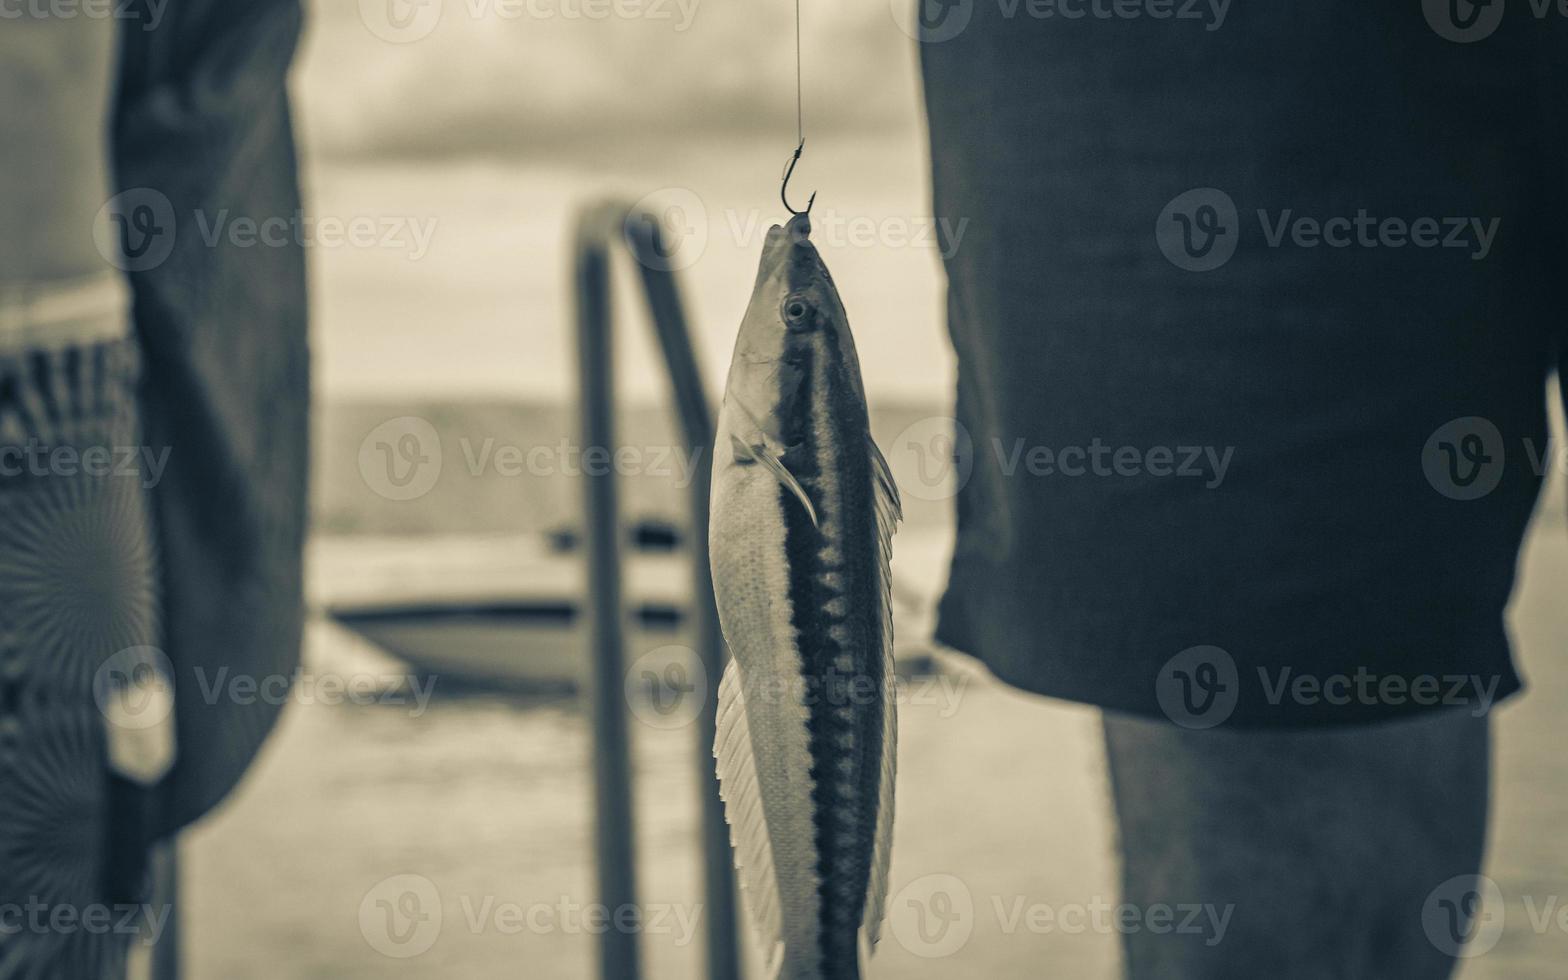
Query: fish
[[802, 514]]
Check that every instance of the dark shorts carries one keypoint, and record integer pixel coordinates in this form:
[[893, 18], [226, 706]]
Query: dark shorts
[[78, 605], [1253, 318]]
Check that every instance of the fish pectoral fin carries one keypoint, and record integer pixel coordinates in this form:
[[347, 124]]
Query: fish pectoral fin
[[762, 454]]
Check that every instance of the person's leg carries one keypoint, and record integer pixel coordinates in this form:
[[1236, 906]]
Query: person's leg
[[57, 73], [79, 604], [1322, 845], [78, 615]]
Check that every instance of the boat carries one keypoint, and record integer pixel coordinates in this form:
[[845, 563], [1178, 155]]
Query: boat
[[505, 613]]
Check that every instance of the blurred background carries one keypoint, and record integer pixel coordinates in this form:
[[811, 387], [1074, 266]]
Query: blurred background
[[443, 570]]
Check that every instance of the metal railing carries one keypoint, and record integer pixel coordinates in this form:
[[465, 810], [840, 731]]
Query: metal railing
[[599, 229]]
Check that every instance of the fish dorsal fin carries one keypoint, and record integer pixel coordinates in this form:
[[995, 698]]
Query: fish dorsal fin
[[887, 497], [768, 458], [889, 512], [743, 810]]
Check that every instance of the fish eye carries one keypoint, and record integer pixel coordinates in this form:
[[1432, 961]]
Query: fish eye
[[798, 313]]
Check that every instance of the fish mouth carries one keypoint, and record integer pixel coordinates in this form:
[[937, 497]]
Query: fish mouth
[[799, 227], [797, 272], [789, 250]]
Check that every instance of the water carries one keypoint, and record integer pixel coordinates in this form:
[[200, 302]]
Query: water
[[489, 800]]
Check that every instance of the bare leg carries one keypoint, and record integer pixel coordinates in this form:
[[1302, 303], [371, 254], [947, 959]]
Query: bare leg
[[1323, 844]]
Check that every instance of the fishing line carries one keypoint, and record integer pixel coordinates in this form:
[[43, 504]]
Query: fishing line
[[800, 116], [800, 129]]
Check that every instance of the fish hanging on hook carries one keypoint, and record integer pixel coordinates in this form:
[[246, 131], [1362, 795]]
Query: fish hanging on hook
[[800, 539]]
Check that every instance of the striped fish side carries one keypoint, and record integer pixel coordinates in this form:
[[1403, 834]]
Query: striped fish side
[[835, 605]]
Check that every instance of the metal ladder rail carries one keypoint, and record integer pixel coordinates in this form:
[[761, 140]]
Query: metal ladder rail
[[598, 227]]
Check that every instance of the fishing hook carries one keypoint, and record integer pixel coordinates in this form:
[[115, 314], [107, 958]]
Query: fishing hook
[[784, 187]]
